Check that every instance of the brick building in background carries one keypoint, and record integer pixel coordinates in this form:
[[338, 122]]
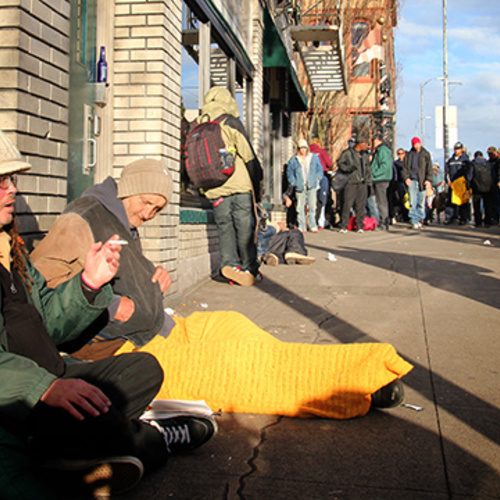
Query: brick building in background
[[357, 96]]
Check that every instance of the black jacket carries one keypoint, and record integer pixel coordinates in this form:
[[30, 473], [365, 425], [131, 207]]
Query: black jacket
[[425, 172], [357, 165]]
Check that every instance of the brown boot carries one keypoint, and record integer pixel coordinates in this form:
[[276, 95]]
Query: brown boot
[[297, 258], [271, 260]]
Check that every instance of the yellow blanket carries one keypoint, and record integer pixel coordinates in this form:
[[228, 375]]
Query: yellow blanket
[[227, 360]]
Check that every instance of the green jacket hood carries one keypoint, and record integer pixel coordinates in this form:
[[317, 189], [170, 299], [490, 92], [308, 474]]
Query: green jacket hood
[[218, 101]]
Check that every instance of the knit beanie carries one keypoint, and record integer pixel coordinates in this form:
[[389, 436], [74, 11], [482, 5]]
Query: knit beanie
[[10, 158], [145, 176]]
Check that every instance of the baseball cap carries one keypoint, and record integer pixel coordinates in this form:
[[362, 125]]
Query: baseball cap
[[458, 145]]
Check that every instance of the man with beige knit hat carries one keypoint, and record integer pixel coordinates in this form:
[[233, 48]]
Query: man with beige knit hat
[[136, 311]]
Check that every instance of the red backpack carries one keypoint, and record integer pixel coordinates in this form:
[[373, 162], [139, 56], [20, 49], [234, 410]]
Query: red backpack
[[209, 164]]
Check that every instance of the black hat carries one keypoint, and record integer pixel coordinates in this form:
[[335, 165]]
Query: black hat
[[458, 145]]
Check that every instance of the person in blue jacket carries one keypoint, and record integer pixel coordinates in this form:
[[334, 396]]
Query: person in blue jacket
[[304, 172], [457, 166]]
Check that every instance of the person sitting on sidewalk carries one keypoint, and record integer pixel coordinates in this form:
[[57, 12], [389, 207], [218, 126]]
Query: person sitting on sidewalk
[[52, 408], [221, 357], [276, 244]]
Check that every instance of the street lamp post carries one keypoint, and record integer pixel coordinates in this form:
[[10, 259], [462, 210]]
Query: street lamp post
[[446, 96], [422, 120]]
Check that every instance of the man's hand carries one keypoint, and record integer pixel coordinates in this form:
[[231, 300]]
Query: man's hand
[[408, 182], [125, 309], [427, 185], [162, 277], [101, 263], [73, 394], [288, 202]]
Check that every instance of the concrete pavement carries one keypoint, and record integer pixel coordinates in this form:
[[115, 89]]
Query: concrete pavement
[[435, 295]]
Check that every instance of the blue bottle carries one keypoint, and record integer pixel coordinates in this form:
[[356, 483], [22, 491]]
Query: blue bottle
[[102, 67]]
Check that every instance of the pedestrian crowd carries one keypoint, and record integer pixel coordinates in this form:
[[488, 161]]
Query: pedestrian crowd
[[369, 190]]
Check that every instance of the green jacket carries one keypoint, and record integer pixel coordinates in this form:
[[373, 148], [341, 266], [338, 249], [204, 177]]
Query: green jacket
[[382, 164], [66, 313]]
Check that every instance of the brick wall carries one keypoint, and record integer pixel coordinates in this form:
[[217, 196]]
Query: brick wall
[[198, 253], [147, 99], [34, 81]]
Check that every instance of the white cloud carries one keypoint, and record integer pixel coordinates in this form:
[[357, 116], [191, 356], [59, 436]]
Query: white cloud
[[474, 60]]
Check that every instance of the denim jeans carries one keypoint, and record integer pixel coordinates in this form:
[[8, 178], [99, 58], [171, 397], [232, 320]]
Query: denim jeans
[[235, 221], [308, 197], [371, 207], [381, 196], [417, 202], [263, 240], [323, 192]]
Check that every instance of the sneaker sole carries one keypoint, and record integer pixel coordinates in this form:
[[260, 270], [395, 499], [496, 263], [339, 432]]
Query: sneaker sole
[[104, 477], [242, 278]]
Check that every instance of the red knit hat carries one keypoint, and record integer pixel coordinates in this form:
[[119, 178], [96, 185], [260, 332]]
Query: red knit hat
[[415, 140]]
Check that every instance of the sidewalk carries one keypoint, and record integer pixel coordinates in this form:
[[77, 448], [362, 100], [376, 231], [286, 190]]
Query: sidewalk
[[435, 295]]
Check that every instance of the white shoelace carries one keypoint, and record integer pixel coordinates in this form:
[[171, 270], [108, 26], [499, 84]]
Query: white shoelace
[[176, 434]]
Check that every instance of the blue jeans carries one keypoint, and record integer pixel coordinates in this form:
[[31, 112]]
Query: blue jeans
[[371, 207], [308, 197], [235, 221], [417, 203], [263, 240], [323, 192]]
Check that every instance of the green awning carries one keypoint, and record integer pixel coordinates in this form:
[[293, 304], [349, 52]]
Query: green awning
[[276, 56]]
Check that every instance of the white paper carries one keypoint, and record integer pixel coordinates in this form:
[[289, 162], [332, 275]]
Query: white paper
[[169, 408]]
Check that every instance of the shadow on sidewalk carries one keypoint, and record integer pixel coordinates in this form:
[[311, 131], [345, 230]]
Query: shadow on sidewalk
[[480, 419]]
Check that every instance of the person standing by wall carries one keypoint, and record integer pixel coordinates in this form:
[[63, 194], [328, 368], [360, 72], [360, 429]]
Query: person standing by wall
[[382, 174], [304, 172], [234, 201]]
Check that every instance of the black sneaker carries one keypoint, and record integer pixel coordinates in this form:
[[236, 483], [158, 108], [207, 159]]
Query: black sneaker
[[103, 478], [183, 434], [389, 396]]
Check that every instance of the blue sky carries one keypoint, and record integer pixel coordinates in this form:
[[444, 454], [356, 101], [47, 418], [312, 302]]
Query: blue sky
[[473, 60]]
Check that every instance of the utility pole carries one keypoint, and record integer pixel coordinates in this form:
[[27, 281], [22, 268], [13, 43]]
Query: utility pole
[[445, 81]]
